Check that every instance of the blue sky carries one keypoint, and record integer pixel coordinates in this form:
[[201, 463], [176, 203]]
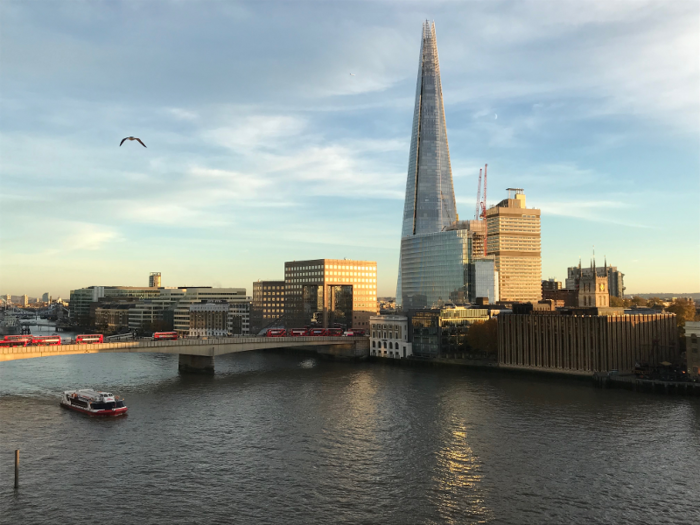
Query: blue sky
[[262, 148]]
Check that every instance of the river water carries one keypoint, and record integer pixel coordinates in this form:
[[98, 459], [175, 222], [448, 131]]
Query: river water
[[292, 439]]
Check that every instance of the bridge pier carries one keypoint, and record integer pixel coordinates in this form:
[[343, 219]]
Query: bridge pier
[[195, 364]]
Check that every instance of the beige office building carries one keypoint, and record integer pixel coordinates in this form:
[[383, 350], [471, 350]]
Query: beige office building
[[514, 242], [327, 292]]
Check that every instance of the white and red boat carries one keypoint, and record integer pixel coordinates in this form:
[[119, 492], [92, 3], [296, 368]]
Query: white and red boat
[[94, 403]]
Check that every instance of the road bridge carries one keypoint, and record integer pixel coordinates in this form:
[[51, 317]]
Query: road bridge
[[197, 355]]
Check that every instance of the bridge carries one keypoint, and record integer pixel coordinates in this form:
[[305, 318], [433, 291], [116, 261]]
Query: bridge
[[197, 355]]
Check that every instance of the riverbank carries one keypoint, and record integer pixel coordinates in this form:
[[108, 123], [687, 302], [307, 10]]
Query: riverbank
[[598, 379]]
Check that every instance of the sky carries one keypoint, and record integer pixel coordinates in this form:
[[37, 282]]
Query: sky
[[279, 131]]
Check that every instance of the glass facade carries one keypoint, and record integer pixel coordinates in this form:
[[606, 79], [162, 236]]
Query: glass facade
[[430, 201], [483, 280], [443, 331], [434, 269]]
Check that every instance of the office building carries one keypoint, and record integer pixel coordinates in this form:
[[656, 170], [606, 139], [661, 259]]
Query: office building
[[154, 280], [585, 340], [430, 202], [441, 331], [513, 239], [181, 310], [110, 318], [389, 336], [330, 292], [209, 319], [267, 305], [616, 279], [82, 299], [45, 298]]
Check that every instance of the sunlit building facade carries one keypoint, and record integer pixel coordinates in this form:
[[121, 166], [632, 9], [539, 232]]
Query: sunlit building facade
[[329, 292]]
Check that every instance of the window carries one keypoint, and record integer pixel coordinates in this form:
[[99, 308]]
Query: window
[[384, 344], [374, 344]]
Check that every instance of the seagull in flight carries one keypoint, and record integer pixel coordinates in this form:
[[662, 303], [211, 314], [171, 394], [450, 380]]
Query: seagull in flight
[[131, 138]]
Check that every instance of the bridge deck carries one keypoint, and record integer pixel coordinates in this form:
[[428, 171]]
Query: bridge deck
[[203, 347]]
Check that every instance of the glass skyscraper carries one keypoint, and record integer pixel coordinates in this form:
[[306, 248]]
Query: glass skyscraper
[[424, 276]]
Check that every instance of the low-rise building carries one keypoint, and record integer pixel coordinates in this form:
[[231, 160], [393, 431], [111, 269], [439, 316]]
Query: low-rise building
[[209, 320], [389, 336], [441, 331], [585, 340], [692, 347]]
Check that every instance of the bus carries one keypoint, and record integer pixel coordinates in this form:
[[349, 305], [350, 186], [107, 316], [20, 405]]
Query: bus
[[335, 332], [172, 336], [89, 339], [27, 338], [13, 342], [318, 332], [298, 332], [47, 340], [276, 332]]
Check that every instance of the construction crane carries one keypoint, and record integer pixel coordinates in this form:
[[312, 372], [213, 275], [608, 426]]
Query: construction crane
[[480, 213], [477, 213]]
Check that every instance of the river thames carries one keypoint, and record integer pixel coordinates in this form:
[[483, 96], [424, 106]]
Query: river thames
[[289, 438]]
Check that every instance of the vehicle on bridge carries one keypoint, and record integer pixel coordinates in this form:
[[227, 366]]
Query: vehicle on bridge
[[93, 403], [89, 339], [318, 332], [167, 336], [17, 340], [46, 340], [276, 332], [298, 332]]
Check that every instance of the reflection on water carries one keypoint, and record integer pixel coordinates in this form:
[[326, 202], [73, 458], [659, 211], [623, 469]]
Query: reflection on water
[[277, 438]]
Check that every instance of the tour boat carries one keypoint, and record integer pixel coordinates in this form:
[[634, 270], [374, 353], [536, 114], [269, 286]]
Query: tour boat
[[93, 403]]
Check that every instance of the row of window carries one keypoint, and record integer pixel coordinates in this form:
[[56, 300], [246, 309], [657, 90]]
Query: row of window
[[391, 346]]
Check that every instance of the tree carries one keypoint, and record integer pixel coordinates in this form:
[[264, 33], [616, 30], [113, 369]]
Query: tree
[[619, 302], [483, 336], [638, 301], [684, 310]]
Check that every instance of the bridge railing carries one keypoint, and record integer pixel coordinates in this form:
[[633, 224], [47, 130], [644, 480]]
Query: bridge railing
[[33, 349]]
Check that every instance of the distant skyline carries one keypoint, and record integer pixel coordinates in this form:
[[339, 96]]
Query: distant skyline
[[280, 131]]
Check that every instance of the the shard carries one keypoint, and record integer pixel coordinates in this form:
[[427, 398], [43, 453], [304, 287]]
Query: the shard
[[430, 199]]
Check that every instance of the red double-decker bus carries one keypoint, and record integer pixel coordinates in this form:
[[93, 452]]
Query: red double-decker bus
[[276, 332], [13, 342], [335, 332], [298, 332], [18, 338], [89, 339], [318, 332], [47, 340], [172, 336]]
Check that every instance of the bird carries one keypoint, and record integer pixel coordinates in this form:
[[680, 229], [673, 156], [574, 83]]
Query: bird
[[131, 138]]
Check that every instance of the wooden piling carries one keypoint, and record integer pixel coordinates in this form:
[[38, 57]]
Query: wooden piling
[[17, 468]]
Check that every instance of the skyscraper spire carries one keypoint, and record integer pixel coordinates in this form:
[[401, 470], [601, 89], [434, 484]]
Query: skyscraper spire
[[430, 198]]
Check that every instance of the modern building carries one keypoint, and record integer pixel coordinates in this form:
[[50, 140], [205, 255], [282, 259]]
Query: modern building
[[45, 298], [154, 280], [586, 340], [330, 292], [209, 319], [267, 305], [441, 331], [616, 279], [181, 310], [482, 282], [239, 317], [513, 239], [81, 299], [550, 285], [25, 301], [112, 317], [430, 201], [692, 347], [389, 336]]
